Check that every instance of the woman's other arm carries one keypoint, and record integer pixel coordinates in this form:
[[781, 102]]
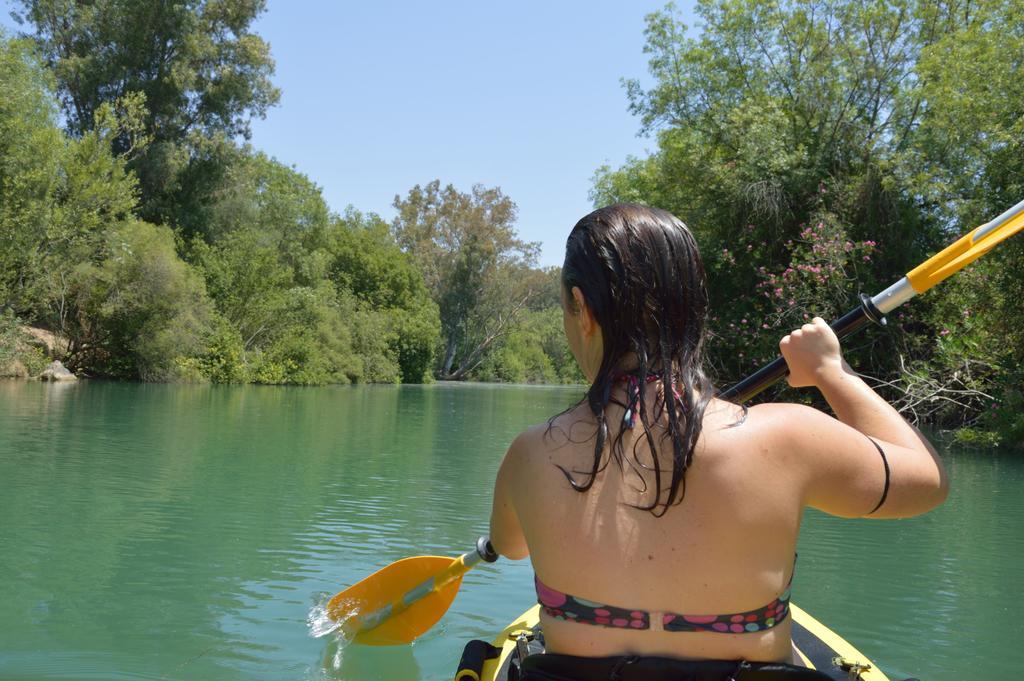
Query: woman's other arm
[[506, 531]]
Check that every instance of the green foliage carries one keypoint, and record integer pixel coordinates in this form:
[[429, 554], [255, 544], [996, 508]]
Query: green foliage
[[59, 195], [17, 353], [750, 131], [535, 351], [374, 342], [817, 149], [758, 144], [282, 206], [965, 156], [250, 285], [819, 264], [10, 338], [140, 310], [978, 340], [201, 71], [975, 437], [366, 260], [1007, 418], [196, 62], [31, 152], [277, 290], [476, 268], [315, 350], [289, 332], [315, 298], [416, 334], [221, 359]]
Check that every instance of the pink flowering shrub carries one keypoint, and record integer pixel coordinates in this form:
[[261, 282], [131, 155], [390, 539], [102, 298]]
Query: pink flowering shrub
[[823, 271]]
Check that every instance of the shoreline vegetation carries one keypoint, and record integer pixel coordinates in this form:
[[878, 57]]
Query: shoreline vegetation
[[815, 151]]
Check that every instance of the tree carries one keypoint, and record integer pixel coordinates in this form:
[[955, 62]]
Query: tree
[[477, 269], [202, 72], [264, 255], [140, 311], [964, 154], [58, 196], [367, 261], [776, 126], [967, 158], [309, 297], [281, 205], [771, 103], [820, 147], [195, 61], [266, 271], [535, 351], [31, 155]]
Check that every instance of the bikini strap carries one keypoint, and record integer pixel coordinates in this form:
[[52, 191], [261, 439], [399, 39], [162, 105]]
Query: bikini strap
[[633, 395]]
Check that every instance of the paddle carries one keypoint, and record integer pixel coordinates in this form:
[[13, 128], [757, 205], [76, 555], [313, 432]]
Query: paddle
[[403, 600], [940, 266]]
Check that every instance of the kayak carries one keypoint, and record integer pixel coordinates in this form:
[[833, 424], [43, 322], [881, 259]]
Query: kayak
[[817, 647]]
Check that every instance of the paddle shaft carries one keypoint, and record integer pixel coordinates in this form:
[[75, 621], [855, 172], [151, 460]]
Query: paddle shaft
[[873, 309]]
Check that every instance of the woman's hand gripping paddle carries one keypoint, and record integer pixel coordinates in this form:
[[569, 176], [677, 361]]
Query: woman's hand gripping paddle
[[403, 600]]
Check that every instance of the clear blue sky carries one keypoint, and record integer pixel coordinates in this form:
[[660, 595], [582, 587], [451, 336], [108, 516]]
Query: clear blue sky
[[380, 96]]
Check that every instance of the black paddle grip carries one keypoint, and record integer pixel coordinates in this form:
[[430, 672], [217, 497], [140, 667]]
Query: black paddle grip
[[772, 373]]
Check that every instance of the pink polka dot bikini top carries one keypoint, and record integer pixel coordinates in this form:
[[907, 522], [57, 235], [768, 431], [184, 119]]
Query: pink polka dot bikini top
[[562, 606]]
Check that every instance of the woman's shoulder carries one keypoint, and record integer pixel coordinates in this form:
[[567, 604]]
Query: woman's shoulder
[[541, 441], [781, 418], [798, 436], [799, 423], [772, 428]]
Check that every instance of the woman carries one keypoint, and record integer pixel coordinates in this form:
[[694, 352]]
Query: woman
[[661, 521]]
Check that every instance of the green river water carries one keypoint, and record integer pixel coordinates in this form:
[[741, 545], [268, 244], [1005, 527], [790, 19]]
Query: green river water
[[185, 532]]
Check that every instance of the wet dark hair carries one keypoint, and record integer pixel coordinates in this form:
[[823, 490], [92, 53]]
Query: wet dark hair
[[641, 274]]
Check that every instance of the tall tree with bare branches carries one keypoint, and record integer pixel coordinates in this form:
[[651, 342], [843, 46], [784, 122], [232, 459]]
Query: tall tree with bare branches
[[478, 270]]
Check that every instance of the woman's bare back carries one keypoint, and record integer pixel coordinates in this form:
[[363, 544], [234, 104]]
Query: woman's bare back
[[728, 547]]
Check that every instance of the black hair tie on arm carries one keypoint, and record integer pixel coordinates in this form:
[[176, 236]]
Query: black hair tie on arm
[[885, 490]]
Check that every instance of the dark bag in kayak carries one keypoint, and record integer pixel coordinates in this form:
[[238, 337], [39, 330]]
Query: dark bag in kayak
[[555, 667]]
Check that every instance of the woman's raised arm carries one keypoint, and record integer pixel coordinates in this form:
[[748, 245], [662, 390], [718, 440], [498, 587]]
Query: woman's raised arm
[[868, 461]]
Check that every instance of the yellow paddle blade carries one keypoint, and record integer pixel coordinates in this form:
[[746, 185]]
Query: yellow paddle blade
[[386, 587], [963, 252]]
